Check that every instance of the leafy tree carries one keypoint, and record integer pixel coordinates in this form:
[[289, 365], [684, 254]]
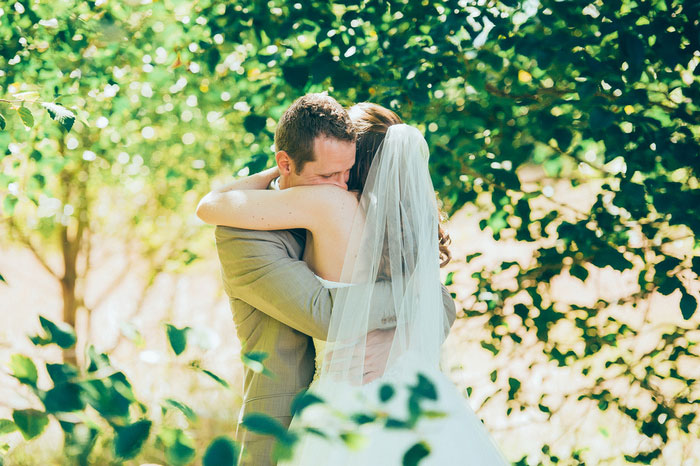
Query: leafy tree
[[98, 406], [583, 94]]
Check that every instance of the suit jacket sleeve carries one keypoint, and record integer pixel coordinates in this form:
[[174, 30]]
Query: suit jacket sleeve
[[258, 268], [449, 308]]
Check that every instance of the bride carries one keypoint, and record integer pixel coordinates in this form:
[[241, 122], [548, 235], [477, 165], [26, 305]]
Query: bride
[[384, 228]]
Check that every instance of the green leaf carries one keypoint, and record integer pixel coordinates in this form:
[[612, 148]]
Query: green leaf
[[449, 279], [354, 441], [61, 334], [264, 425], [130, 438], [471, 257], [2, 279], [179, 447], [26, 115], [521, 311], [415, 454], [109, 396], [216, 378], [424, 388], [514, 385], [8, 205], [688, 305], [361, 418], [222, 451], [579, 272], [254, 123], [177, 337], [386, 392], [23, 369], [7, 426], [30, 422], [696, 265], [185, 409], [96, 361], [64, 398], [61, 373], [61, 114], [302, 401], [254, 361], [2, 122]]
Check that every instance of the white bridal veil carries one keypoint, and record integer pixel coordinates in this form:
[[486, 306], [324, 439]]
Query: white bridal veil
[[394, 244], [394, 241]]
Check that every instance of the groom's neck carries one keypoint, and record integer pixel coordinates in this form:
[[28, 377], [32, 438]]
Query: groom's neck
[[282, 182]]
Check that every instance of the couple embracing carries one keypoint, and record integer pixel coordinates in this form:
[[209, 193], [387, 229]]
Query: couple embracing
[[331, 261]]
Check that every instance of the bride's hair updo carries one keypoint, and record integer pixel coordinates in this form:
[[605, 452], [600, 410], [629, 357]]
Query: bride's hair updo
[[371, 124]]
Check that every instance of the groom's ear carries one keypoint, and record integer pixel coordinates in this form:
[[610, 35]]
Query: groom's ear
[[284, 163]]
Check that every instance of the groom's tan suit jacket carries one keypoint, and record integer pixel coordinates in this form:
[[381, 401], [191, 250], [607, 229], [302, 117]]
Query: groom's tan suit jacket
[[278, 306]]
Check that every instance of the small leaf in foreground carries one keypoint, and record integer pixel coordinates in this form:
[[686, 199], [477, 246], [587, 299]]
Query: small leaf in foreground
[[182, 407], [254, 361], [264, 425], [216, 378], [130, 438], [386, 392], [222, 451], [7, 426], [61, 114], [60, 333], [415, 454], [177, 337], [26, 115], [30, 422], [302, 401], [354, 441], [688, 305], [23, 369]]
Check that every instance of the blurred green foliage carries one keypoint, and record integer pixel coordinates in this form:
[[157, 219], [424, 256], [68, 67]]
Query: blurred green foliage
[[116, 115]]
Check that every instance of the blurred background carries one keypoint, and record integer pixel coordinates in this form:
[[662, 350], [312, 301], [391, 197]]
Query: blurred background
[[564, 142]]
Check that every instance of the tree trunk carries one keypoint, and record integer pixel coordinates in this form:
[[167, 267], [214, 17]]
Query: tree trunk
[[71, 240]]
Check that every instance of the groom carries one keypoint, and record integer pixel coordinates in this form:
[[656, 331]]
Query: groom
[[277, 302]]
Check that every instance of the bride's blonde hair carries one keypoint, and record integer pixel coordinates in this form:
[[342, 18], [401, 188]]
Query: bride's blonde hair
[[371, 124]]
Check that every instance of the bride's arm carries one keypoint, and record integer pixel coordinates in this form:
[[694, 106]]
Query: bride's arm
[[267, 209]]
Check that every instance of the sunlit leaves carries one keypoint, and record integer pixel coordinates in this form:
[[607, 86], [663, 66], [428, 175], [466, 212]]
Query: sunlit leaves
[[179, 447], [61, 334], [26, 115], [30, 422], [64, 397], [23, 369], [62, 115], [3, 123], [7, 426]]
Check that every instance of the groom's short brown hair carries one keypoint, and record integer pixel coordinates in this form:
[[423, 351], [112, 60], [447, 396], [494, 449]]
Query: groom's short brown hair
[[307, 118]]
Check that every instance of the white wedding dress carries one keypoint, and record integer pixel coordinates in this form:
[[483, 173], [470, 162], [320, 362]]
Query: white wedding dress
[[394, 241]]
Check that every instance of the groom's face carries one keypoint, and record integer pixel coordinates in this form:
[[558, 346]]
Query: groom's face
[[333, 159]]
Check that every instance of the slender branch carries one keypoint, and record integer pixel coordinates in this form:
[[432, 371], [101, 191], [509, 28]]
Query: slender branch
[[28, 243]]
